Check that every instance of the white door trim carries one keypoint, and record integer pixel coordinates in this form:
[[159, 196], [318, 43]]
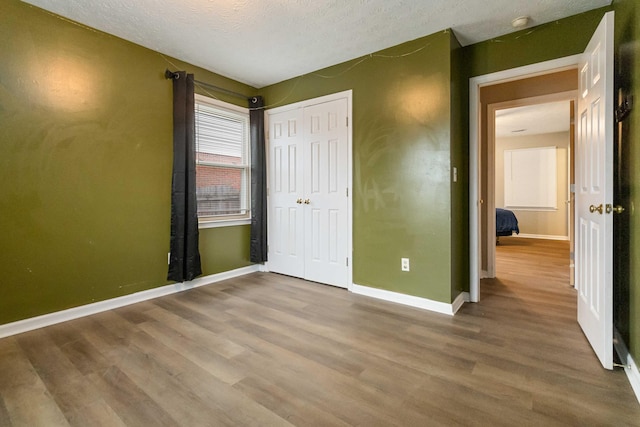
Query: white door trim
[[348, 94], [475, 83]]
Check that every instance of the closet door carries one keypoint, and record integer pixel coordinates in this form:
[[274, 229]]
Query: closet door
[[308, 192], [285, 232], [325, 157]]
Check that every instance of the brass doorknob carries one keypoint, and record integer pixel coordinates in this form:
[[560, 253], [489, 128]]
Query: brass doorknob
[[299, 201], [307, 201], [593, 208], [616, 209]]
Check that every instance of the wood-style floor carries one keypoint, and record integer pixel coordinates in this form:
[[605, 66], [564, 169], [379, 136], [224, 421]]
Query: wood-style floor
[[266, 349]]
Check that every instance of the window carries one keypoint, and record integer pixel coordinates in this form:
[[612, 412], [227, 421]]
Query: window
[[531, 178], [222, 160]]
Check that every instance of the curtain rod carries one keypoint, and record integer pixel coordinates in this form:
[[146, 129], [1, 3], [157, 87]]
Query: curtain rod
[[171, 75], [223, 90]]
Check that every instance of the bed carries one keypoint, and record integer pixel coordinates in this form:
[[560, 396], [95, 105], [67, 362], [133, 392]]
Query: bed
[[506, 223]]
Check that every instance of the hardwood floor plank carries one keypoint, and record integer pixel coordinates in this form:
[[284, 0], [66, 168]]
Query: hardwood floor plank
[[5, 420], [294, 408], [224, 347], [213, 321], [26, 398], [482, 407], [322, 388], [186, 391], [73, 394], [163, 385], [137, 313], [128, 401], [325, 351], [206, 357], [266, 349], [111, 336], [84, 356]]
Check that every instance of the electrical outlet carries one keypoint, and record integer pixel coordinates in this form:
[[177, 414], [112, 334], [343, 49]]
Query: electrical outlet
[[405, 264]]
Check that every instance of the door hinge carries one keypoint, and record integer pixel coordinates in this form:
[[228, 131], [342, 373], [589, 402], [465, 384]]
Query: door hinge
[[625, 107], [347, 120], [347, 191], [347, 261]]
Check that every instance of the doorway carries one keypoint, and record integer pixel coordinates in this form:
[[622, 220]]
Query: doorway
[[557, 78], [531, 144], [594, 181]]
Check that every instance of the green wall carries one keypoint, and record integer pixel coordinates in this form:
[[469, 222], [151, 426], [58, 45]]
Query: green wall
[[557, 39], [459, 160], [401, 166], [85, 166], [627, 236]]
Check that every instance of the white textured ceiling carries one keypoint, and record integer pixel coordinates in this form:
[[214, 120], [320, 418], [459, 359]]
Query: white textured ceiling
[[260, 42], [533, 119]]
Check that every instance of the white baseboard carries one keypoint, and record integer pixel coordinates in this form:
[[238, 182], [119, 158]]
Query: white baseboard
[[410, 300], [630, 368], [459, 301], [32, 323], [541, 236]]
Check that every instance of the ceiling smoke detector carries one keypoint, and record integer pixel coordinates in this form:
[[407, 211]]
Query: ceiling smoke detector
[[520, 22]]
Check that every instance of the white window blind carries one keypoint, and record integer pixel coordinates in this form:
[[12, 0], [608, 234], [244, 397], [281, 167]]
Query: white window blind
[[222, 160], [531, 178], [220, 132]]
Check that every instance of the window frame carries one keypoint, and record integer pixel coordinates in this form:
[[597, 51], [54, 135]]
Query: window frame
[[228, 220]]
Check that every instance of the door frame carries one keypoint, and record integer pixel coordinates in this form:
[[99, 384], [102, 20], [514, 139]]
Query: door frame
[[475, 84], [490, 202], [348, 94]]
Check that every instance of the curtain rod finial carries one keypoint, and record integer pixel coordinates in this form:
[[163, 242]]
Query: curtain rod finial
[[170, 75], [256, 102]]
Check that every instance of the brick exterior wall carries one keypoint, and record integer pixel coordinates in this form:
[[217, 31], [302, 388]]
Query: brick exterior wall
[[218, 188]]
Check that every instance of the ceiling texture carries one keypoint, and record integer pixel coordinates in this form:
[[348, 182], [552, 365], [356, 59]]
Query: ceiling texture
[[261, 42], [533, 119]]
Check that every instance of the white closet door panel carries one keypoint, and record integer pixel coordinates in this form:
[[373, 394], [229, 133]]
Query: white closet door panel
[[286, 226], [326, 182]]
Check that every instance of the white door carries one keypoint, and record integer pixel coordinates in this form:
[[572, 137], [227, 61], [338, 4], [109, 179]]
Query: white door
[[594, 192], [285, 232], [325, 192], [308, 192]]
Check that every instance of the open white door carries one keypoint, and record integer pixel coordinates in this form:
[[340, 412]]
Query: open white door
[[594, 192]]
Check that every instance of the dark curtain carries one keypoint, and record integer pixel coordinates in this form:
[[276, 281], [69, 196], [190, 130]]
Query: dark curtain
[[184, 262], [258, 181]]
